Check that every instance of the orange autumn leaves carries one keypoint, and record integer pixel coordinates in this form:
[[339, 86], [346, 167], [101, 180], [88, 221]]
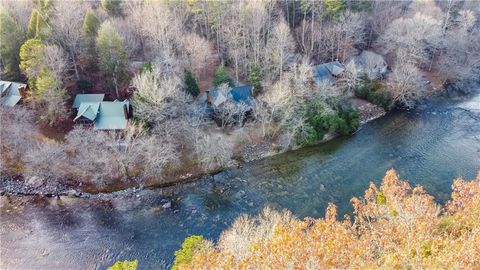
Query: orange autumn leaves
[[394, 226]]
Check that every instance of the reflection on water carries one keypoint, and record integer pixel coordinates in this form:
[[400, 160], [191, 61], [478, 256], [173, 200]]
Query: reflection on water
[[429, 146]]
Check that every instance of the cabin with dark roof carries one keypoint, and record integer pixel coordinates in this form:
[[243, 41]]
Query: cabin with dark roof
[[11, 93], [324, 74]]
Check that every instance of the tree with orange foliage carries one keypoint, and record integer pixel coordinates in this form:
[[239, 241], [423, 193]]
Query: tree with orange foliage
[[393, 226]]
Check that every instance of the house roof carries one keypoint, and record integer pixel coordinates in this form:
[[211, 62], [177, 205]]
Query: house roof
[[335, 67], [322, 75], [88, 110], [111, 115], [10, 92], [242, 94], [237, 94], [87, 98]]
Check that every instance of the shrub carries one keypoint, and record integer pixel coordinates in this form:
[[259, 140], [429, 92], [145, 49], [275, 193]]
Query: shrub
[[373, 92], [125, 265]]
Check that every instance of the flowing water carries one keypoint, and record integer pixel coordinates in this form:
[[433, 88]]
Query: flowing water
[[430, 146]]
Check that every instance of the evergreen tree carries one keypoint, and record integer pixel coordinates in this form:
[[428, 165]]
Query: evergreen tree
[[112, 7], [90, 30], [90, 24], [222, 77], [334, 7], [112, 55], [38, 26], [255, 77], [31, 58], [12, 37], [32, 24], [50, 96], [191, 84]]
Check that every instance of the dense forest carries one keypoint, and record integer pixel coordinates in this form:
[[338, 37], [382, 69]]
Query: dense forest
[[164, 55]]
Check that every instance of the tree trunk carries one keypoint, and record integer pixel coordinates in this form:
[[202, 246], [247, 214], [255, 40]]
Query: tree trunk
[[115, 81]]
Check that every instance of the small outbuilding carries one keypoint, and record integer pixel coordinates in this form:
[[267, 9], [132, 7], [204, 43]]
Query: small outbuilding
[[11, 93]]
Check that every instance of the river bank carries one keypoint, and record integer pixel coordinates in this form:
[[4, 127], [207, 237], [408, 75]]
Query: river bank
[[16, 185]]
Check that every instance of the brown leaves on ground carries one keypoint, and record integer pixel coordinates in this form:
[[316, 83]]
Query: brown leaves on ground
[[394, 226]]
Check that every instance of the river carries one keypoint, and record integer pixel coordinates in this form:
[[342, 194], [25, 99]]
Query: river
[[430, 145]]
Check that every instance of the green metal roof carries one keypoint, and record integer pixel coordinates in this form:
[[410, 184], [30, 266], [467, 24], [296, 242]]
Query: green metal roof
[[112, 115], [88, 110], [80, 98], [10, 93]]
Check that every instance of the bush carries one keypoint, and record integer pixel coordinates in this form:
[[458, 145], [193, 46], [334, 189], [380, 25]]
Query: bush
[[222, 77], [317, 123], [191, 85], [373, 92], [190, 247]]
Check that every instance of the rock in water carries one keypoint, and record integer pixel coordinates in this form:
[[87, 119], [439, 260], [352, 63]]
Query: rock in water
[[167, 205]]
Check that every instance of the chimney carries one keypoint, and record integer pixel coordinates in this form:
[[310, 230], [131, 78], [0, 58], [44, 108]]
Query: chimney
[[209, 97]]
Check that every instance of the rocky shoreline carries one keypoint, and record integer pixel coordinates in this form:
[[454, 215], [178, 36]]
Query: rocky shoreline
[[17, 186]]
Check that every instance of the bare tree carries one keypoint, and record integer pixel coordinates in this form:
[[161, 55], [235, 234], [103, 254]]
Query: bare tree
[[405, 82], [337, 39], [67, 28], [213, 151], [418, 35], [461, 52], [198, 53], [280, 47], [263, 115], [157, 97], [17, 135], [55, 59], [47, 161]]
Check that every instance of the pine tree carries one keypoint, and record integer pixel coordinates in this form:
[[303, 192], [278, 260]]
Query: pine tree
[[31, 58], [334, 7], [112, 7], [32, 24], [222, 77], [255, 77], [90, 24], [112, 55], [38, 26], [50, 96], [191, 84], [12, 37]]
